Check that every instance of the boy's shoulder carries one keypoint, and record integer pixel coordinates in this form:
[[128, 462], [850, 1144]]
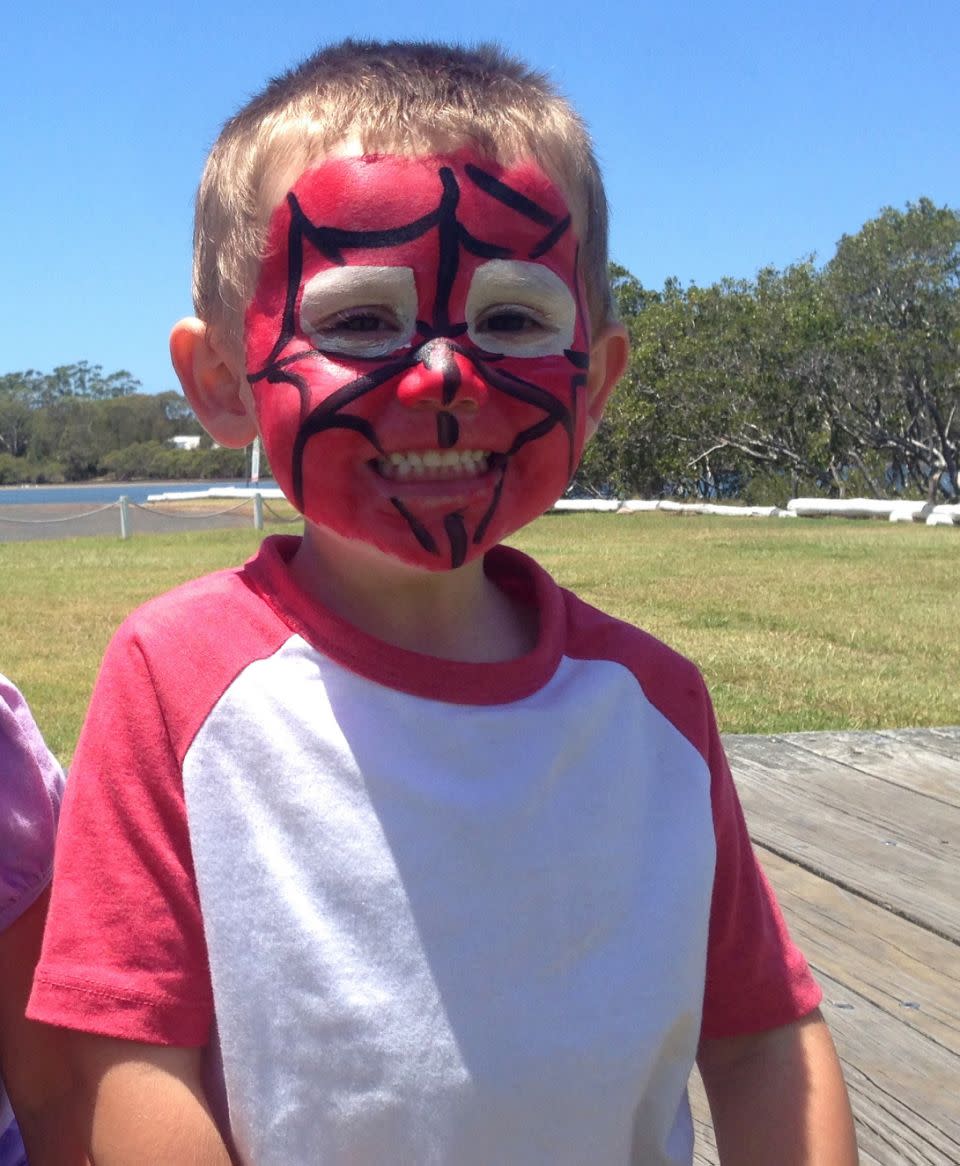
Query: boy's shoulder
[[174, 657], [596, 634], [204, 633], [588, 632], [185, 647], [579, 631], [594, 631], [217, 607], [670, 681]]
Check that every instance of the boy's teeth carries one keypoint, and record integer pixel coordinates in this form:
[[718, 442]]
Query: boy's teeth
[[434, 464]]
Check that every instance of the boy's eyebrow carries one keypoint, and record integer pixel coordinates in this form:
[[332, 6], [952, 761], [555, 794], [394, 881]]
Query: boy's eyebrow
[[509, 197], [330, 240]]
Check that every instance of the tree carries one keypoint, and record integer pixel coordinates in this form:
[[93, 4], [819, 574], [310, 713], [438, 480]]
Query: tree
[[845, 378], [140, 417], [723, 381], [896, 289], [84, 380], [15, 418], [779, 385], [624, 456], [64, 423]]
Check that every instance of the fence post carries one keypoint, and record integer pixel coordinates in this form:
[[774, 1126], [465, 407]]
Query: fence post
[[124, 517], [258, 511]]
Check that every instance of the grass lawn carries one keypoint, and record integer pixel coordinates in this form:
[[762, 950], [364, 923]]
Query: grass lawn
[[796, 624]]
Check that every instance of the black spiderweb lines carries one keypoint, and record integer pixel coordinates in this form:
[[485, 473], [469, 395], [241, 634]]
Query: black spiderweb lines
[[434, 345]]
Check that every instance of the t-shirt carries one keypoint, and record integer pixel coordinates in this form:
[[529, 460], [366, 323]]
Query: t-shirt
[[416, 910], [31, 786]]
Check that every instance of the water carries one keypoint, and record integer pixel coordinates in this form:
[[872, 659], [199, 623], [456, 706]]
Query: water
[[103, 493]]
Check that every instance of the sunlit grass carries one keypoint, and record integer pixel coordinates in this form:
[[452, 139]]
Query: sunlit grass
[[796, 624]]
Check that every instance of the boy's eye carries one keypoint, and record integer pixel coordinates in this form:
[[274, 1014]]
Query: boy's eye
[[357, 320], [359, 311], [508, 319], [518, 308]]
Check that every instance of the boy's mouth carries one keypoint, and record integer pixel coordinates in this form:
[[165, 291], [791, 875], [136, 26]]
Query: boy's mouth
[[433, 465]]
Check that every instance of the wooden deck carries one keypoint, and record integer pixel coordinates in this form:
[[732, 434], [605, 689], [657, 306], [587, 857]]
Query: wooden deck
[[860, 835]]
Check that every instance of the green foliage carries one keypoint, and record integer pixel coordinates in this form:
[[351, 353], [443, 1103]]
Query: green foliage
[[843, 379], [26, 471], [896, 287], [155, 459], [76, 423]]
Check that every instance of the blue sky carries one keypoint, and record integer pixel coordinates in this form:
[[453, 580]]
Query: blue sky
[[731, 135]]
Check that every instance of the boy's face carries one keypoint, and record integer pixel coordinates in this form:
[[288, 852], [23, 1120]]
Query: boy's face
[[417, 348]]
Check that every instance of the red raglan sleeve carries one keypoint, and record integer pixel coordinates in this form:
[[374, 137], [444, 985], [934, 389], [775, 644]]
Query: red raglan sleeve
[[757, 978], [124, 953]]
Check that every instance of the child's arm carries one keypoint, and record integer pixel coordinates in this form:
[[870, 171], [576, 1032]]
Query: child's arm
[[779, 1096], [32, 1055], [144, 1103]]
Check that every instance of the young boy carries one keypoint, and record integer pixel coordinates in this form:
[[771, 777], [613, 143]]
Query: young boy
[[383, 848]]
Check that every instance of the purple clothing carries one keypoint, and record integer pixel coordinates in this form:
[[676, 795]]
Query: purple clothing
[[31, 786], [12, 1152]]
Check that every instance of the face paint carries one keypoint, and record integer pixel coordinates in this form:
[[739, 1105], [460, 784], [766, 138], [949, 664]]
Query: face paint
[[417, 350]]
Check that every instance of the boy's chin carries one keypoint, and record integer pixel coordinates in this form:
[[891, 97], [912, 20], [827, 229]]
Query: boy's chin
[[403, 551], [439, 546]]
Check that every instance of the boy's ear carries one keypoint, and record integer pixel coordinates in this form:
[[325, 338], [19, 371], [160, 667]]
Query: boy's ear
[[609, 354], [214, 382]]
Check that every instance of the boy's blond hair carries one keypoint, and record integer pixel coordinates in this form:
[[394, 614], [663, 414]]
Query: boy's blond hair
[[393, 96]]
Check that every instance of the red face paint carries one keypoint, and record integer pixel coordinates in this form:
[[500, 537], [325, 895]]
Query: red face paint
[[417, 349]]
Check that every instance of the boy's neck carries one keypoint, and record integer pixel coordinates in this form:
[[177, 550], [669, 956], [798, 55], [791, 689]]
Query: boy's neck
[[452, 615]]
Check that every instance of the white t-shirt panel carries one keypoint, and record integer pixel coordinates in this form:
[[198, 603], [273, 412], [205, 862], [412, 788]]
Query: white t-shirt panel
[[489, 922]]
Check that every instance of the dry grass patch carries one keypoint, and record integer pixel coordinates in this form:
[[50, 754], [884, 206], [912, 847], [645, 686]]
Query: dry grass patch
[[279, 509]]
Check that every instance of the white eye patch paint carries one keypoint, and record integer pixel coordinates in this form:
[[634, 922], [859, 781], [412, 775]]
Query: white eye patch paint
[[360, 311], [520, 309]]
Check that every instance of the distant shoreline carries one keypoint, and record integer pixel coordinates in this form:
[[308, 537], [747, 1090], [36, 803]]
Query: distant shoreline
[[90, 483], [105, 493]]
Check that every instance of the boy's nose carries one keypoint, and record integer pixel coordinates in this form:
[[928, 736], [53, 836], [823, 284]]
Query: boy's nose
[[441, 379]]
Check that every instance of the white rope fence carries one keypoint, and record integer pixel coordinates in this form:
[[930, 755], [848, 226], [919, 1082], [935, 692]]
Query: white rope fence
[[124, 505], [62, 518], [278, 517]]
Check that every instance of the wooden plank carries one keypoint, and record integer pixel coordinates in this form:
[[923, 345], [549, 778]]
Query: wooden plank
[[902, 1088], [886, 1135], [940, 740], [903, 1085], [907, 972], [705, 1144], [888, 844], [908, 759], [892, 1000], [873, 819]]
